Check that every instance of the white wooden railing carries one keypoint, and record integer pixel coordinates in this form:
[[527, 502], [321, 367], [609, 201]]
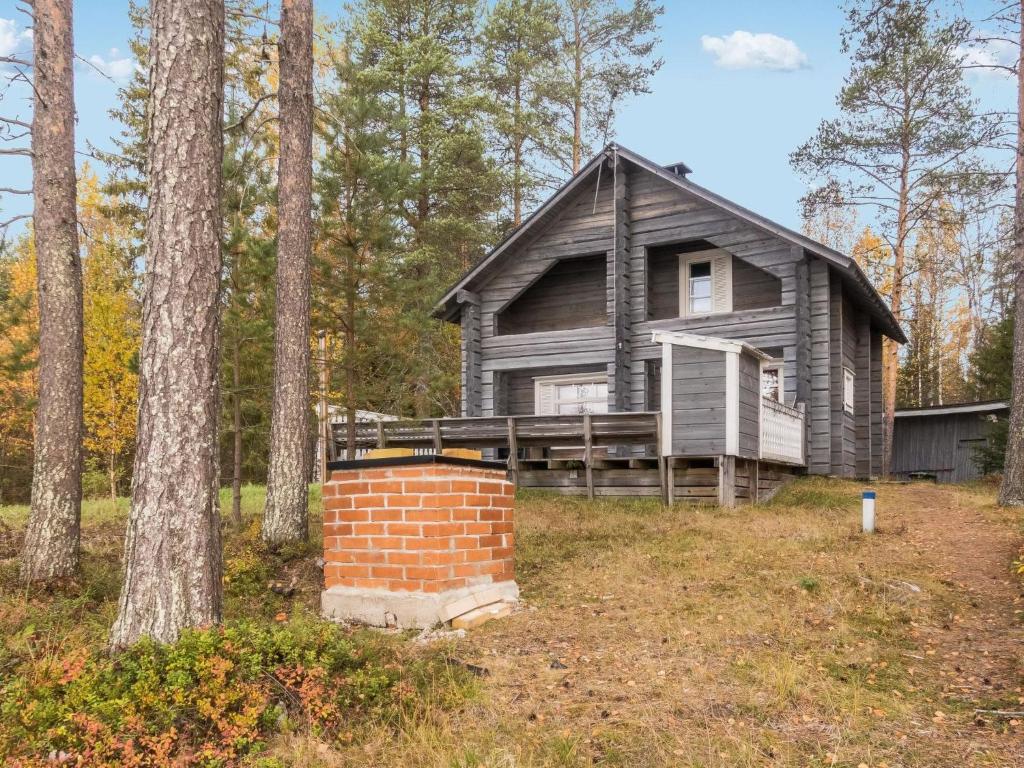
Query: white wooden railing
[[782, 432]]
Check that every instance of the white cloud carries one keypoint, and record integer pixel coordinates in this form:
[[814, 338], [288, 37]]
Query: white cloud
[[14, 42], [990, 57], [748, 50], [116, 67]]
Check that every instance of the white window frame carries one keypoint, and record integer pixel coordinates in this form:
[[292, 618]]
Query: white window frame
[[849, 389], [778, 364], [720, 273], [556, 381]]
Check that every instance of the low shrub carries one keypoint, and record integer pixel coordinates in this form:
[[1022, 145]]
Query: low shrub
[[211, 699]]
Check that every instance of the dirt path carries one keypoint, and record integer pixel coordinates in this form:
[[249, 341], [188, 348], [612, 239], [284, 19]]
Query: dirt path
[[980, 645], [777, 635]]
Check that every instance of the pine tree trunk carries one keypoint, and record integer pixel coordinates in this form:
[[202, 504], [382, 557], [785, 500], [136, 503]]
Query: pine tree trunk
[[577, 105], [350, 362], [172, 577], [52, 537], [236, 451], [518, 140], [286, 512], [1011, 491], [891, 350]]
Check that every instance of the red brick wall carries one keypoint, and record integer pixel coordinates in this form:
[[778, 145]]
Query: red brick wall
[[426, 528]]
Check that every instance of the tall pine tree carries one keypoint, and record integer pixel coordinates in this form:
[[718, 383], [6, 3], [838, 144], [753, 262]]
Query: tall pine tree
[[520, 54], [607, 56], [418, 56]]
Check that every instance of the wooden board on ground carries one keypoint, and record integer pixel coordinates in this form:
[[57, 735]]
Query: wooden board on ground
[[478, 616]]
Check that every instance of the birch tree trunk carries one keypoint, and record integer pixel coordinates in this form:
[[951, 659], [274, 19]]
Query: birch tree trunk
[[172, 574], [1011, 491], [52, 537], [285, 518]]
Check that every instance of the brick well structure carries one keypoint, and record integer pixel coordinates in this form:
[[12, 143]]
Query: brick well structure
[[406, 536]]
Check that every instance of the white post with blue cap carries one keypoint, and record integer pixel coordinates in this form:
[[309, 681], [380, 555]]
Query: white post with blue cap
[[868, 511]]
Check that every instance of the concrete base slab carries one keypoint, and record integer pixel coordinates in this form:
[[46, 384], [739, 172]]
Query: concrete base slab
[[408, 610]]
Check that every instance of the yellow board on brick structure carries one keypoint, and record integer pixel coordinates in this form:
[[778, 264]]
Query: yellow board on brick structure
[[462, 453], [388, 453]]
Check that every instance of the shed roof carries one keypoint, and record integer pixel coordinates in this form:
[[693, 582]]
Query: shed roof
[[847, 266], [987, 406]]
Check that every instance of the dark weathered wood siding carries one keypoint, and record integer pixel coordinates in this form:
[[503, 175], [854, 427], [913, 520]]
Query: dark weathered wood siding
[[842, 356], [636, 224], [752, 288], [820, 412], [749, 406], [698, 402], [941, 444], [569, 295]]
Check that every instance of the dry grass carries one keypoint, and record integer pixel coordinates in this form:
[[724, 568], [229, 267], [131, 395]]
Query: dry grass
[[775, 635]]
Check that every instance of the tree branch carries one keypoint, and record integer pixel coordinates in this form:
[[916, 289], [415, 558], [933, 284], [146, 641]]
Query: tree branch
[[251, 111], [5, 224]]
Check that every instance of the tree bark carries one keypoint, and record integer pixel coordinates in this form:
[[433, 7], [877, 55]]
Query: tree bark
[[52, 538], [891, 350], [236, 426], [1011, 491], [285, 517], [350, 362], [112, 476], [577, 104], [172, 574]]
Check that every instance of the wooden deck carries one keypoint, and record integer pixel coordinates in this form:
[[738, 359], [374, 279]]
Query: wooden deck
[[614, 454]]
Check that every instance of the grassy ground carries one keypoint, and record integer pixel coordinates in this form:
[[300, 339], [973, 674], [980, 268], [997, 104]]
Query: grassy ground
[[775, 635]]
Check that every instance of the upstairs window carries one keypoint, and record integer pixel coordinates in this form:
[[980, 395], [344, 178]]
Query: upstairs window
[[705, 283], [848, 381], [700, 288]]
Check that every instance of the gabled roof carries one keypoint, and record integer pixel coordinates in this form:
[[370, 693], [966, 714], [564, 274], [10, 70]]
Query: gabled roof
[[846, 265]]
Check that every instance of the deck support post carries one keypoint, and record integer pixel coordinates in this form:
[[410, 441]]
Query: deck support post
[[727, 481], [755, 482], [662, 469], [670, 481], [513, 451], [382, 440], [588, 454]]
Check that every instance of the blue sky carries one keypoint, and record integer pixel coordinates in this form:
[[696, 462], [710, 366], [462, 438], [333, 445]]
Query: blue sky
[[731, 105]]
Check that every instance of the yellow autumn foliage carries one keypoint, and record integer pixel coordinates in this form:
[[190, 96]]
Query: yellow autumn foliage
[[111, 333], [19, 330]]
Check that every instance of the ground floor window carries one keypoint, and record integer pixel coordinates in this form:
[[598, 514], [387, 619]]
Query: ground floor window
[[571, 395]]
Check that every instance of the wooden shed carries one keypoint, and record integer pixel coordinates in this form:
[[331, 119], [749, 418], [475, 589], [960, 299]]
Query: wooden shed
[[941, 442]]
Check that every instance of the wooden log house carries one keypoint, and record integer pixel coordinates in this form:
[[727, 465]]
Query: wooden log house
[[639, 334]]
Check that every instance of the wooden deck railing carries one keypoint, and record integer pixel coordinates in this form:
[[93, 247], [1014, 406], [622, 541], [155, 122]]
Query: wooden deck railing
[[782, 432], [576, 437], [606, 429]]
